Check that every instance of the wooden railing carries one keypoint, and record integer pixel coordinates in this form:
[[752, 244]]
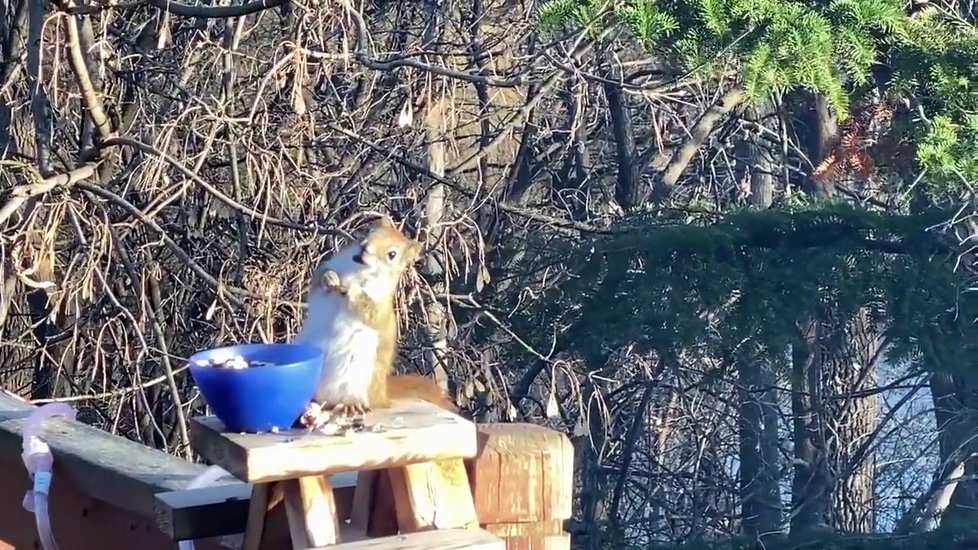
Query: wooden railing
[[103, 487], [109, 492]]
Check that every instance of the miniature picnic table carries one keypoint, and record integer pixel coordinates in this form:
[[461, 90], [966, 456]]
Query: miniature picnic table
[[419, 446]]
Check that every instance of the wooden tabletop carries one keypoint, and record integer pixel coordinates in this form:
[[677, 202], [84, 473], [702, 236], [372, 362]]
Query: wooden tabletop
[[410, 432]]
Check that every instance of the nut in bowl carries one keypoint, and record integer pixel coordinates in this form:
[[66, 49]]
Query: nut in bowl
[[258, 387]]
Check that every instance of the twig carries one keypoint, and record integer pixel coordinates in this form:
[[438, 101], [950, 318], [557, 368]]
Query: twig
[[215, 192], [20, 194], [118, 392], [362, 55], [79, 67], [194, 266]]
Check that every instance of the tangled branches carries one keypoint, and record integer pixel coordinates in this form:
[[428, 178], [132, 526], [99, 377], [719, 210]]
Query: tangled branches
[[170, 173], [171, 186]]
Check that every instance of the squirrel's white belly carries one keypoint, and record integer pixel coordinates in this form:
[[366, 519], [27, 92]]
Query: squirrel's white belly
[[349, 349]]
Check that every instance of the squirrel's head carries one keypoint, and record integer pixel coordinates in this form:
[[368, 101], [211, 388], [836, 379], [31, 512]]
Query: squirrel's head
[[386, 248]]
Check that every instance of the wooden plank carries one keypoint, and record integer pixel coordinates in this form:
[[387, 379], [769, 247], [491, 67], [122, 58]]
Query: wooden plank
[[257, 516], [383, 518], [433, 495], [311, 511], [205, 512], [448, 539], [363, 499], [410, 432], [223, 510], [79, 521], [109, 468], [523, 473], [541, 535]]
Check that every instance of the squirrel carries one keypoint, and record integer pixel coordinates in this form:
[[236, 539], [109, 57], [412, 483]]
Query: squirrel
[[352, 317]]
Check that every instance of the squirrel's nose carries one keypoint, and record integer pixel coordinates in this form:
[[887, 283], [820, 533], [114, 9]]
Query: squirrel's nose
[[359, 257]]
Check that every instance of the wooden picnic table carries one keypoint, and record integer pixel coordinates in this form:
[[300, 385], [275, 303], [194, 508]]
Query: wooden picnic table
[[410, 469]]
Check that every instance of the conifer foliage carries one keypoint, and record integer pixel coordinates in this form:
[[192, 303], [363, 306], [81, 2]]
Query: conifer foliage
[[821, 46], [924, 57]]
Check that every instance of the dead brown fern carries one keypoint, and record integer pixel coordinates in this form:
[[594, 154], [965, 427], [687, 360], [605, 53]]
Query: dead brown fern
[[855, 150]]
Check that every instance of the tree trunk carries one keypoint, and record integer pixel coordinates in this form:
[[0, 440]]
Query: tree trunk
[[834, 364], [849, 363], [630, 193], [756, 165], [837, 359], [809, 488], [954, 389], [759, 462]]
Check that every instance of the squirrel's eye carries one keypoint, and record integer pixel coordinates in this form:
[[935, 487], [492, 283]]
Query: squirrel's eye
[[391, 254]]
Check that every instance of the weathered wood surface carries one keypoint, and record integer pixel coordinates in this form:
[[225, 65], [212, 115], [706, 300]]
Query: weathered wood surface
[[258, 516], [311, 512], [523, 473], [109, 468], [224, 509], [539, 535], [447, 539], [410, 432], [204, 512], [373, 505], [77, 519], [433, 495], [521, 482]]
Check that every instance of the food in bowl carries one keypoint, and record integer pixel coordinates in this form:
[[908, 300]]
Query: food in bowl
[[236, 362]]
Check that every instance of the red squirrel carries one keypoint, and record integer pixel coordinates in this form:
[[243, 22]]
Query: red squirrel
[[352, 317]]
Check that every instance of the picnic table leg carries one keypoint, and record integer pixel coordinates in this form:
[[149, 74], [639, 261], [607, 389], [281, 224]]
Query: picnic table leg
[[433, 495], [311, 512], [255, 527], [363, 499], [372, 513]]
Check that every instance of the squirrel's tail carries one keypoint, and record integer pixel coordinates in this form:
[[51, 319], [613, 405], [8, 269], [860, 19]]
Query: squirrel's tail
[[406, 386]]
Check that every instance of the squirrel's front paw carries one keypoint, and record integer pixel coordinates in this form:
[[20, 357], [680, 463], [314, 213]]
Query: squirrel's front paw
[[331, 280]]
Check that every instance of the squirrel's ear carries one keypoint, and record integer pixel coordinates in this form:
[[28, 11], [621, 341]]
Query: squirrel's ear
[[414, 251], [386, 222]]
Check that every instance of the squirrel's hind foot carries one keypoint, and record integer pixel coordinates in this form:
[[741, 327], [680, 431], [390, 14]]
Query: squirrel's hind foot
[[317, 417], [351, 411]]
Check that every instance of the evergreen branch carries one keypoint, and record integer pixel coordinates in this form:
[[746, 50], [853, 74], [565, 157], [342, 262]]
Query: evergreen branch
[[825, 227]]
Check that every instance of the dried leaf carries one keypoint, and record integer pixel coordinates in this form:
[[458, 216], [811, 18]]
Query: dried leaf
[[481, 278], [298, 102], [406, 118], [211, 310], [580, 428], [552, 409]]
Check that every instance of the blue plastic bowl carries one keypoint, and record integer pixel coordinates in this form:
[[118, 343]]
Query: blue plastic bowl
[[258, 398]]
